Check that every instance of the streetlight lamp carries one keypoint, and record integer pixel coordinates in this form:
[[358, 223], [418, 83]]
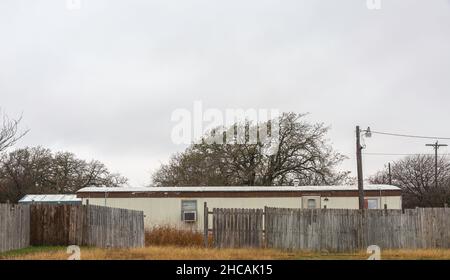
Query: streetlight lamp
[[359, 147]]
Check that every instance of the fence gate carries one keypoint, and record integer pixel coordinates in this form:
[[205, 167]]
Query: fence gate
[[237, 227], [86, 225]]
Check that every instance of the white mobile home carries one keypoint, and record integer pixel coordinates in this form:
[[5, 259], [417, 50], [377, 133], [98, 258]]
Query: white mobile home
[[183, 206]]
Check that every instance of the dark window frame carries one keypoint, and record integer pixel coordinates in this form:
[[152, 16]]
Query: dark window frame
[[189, 208]]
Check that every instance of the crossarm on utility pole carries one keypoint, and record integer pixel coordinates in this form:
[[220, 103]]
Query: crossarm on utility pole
[[436, 146]]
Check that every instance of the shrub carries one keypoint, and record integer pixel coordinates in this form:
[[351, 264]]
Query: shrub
[[167, 235]]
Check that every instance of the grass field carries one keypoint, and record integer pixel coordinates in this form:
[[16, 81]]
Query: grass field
[[196, 253], [166, 243]]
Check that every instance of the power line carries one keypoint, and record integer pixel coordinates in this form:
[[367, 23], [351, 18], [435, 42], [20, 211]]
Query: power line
[[410, 136], [396, 154]]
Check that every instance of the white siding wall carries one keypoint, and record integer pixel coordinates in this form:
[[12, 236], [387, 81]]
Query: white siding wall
[[393, 202], [167, 211]]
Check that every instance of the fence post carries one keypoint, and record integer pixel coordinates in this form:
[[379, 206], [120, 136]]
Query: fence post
[[86, 225], [86, 240], [205, 224], [265, 227]]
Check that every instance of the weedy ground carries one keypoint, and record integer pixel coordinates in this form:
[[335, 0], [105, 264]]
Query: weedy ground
[[198, 253], [167, 243]]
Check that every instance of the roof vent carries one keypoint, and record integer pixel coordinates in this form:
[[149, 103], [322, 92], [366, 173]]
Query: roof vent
[[296, 182]]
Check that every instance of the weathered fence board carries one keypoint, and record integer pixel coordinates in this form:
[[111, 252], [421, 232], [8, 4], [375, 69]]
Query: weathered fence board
[[86, 225], [238, 227], [14, 227], [338, 230], [345, 230]]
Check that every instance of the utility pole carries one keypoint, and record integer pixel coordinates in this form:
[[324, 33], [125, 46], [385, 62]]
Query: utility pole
[[359, 168], [436, 146], [390, 174]]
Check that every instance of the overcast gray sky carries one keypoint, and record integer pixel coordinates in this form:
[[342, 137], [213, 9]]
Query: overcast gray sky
[[103, 81]]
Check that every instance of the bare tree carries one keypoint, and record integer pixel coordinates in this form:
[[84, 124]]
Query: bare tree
[[415, 176], [9, 132], [38, 170], [302, 152]]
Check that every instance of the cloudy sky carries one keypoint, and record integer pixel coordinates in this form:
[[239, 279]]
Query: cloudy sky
[[102, 81]]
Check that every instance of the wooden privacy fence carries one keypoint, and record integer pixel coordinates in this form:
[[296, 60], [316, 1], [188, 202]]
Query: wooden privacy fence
[[338, 230], [238, 227], [14, 227], [314, 229], [86, 225]]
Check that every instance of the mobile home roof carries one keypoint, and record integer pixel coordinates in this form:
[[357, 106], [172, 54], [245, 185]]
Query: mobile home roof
[[237, 189], [49, 198]]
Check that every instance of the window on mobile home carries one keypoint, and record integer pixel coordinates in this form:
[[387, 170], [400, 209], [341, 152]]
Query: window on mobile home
[[372, 203], [312, 204], [189, 210]]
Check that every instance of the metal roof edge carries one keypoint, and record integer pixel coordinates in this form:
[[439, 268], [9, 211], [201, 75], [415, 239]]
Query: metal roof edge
[[237, 188]]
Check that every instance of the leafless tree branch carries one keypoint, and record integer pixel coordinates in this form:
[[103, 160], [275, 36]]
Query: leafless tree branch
[[9, 132]]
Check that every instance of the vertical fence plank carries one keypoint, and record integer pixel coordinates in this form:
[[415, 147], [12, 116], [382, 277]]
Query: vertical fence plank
[[86, 225], [238, 228], [14, 227], [337, 230]]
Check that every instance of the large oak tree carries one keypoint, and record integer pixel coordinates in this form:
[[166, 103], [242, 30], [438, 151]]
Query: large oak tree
[[302, 152]]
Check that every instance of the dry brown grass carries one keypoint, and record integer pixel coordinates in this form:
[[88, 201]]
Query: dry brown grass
[[428, 254], [197, 253], [155, 253], [168, 243], [170, 236]]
